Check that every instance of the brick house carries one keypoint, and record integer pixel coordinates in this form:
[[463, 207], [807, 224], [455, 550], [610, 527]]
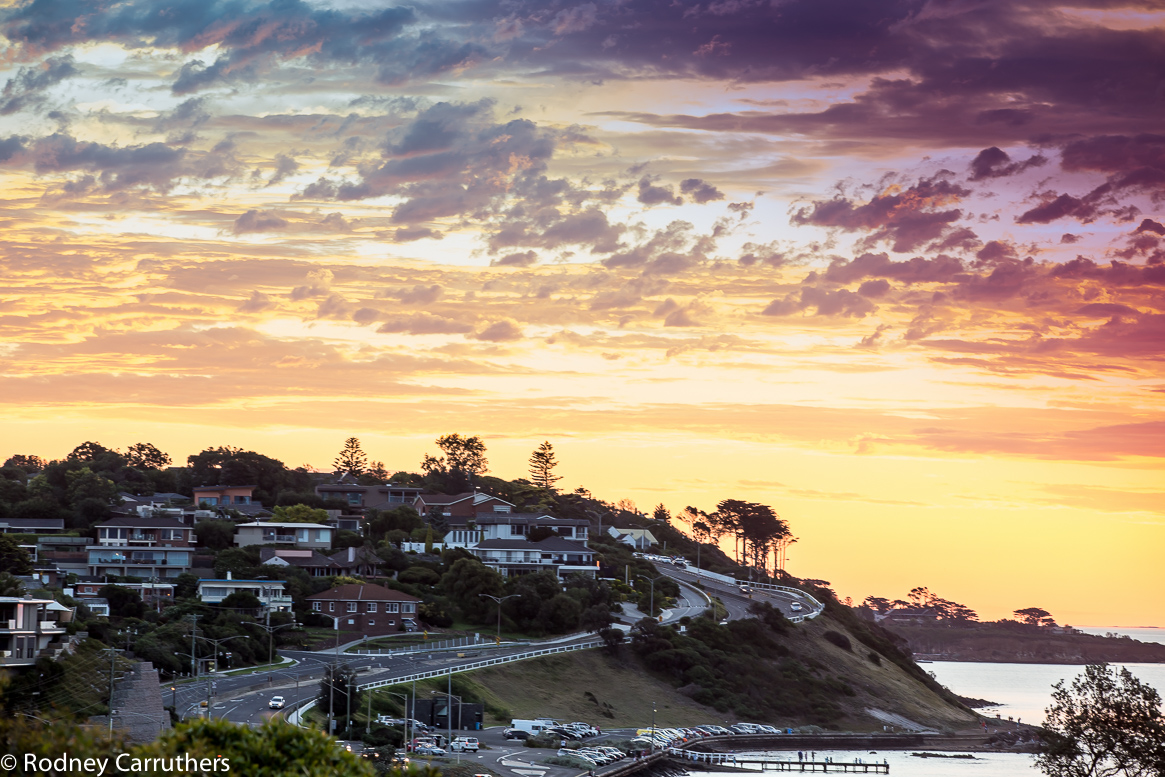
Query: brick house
[[367, 609], [223, 496]]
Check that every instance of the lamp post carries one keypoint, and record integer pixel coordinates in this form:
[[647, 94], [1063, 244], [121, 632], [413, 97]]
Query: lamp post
[[216, 643], [271, 634], [335, 664], [408, 716], [449, 714], [499, 600], [652, 581], [653, 727]]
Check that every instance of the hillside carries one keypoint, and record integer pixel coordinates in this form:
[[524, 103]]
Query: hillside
[[799, 678], [1016, 643]]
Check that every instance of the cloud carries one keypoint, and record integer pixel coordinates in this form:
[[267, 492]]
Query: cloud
[[418, 295], [995, 163], [914, 270], [423, 323], [257, 303], [839, 303], [499, 332], [700, 191], [26, 89], [523, 259], [650, 194], [258, 221], [905, 218], [410, 234]]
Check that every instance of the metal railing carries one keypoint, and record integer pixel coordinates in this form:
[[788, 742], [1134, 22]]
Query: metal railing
[[480, 664], [818, 607]]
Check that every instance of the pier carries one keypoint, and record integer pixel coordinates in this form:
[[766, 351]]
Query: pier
[[770, 764]]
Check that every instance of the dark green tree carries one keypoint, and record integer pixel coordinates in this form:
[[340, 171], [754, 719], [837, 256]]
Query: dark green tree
[[123, 602], [28, 464], [542, 464], [462, 454], [1035, 616], [1107, 723], [143, 455], [464, 583], [215, 535], [13, 558], [352, 458]]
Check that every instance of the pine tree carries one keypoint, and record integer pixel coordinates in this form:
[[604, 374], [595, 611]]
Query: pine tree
[[351, 459], [542, 464]]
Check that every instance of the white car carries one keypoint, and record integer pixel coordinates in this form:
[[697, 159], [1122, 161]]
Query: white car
[[795, 607], [276, 703], [464, 744]]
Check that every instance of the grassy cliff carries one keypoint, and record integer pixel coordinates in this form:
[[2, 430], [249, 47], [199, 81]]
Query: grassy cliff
[[834, 672]]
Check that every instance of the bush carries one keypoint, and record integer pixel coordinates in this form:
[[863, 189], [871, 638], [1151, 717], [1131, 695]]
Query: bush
[[839, 639], [875, 658]]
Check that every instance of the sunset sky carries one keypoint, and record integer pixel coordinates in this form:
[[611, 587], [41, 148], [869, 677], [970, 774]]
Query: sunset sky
[[895, 268]]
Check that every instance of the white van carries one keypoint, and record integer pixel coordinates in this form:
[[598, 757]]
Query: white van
[[532, 727]]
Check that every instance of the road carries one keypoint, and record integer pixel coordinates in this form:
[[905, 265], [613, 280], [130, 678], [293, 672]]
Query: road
[[244, 699], [734, 601]]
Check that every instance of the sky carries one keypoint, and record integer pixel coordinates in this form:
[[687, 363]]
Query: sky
[[892, 267]]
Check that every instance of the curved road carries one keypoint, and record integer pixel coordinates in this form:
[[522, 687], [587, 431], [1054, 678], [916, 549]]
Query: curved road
[[239, 700]]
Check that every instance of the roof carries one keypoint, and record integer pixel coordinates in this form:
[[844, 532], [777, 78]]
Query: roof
[[161, 522], [520, 518], [634, 532], [287, 523], [363, 592], [219, 488], [164, 496], [363, 555], [235, 580], [562, 543], [448, 499], [29, 523], [295, 558]]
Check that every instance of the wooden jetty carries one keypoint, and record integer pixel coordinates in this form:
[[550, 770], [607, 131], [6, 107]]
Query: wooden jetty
[[770, 764]]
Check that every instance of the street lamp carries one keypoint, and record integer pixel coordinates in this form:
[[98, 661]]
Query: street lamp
[[271, 634], [652, 581], [408, 715], [653, 727], [499, 600], [449, 713], [335, 664], [216, 642]]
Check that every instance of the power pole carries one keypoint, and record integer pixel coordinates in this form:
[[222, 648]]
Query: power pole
[[112, 667]]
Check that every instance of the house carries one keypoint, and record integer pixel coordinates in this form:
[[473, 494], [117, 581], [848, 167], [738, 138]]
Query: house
[[907, 615], [519, 556], [223, 496], [160, 500], [153, 594], [383, 497], [504, 526], [270, 593], [640, 539], [313, 562], [357, 562], [145, 532], [144, 562], [301, 535], [365, 608], [459, 509], [31, 628], [32, 525]]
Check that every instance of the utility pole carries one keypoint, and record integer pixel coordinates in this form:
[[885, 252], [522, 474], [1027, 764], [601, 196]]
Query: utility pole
[[652, 581], [193, 636], [499, 600], [112, 666], [449, 710]]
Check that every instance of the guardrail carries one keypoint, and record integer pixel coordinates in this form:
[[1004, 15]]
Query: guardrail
[[818, 607], [479, 664], [429, 647]]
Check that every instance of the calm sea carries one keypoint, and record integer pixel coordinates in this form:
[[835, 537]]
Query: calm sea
[[1144, 635], [1022, 690]]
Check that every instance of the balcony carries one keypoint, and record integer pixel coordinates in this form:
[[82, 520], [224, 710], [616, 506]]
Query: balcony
[[50, 626], [283, 538], [9, 624]]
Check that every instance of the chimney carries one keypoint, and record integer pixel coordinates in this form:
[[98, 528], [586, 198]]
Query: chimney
[[351, 555], [229, 575]]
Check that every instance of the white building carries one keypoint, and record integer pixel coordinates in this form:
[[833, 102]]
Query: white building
[[30, 628], [269, 592], [301, 535]]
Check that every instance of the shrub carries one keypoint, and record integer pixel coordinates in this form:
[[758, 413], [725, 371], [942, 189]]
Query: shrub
[[875, 658], [839, 639]]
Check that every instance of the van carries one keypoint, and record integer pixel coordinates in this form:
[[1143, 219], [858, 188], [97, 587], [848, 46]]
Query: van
[[532, 727]]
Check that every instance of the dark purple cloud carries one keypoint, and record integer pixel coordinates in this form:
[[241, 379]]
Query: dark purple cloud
[[258, 221], [915, 270], [26, 89], [906, 219]]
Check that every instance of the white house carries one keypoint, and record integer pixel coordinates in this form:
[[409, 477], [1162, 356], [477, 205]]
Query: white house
[[269, 592], [640, 539], [301, 535]]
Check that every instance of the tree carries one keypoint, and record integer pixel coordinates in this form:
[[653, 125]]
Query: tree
[[10, 585], [242, 600], [661, 513], [13, 558], [542, 464], [123, 602], [143, 455], [878, 604], [1107, 723], [462, 454], [88, 451], [27, 464], [300, 514], [464, 584], [351, 459], [1035, 616], [215, 535]]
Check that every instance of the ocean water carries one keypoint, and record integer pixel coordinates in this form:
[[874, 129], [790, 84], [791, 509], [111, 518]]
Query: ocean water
[[1022, 691], [1144, 635], [903, 764]]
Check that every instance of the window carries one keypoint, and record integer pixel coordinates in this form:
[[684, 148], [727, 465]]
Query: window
[[315, 606], [242, 500], [331, 606], [391, 607], [351, 606], [371, 623], [354, 497], [372, 607], [351, 621], [408, 607]]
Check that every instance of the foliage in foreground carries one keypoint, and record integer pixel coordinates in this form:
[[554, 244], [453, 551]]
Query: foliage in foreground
[[1106, 723]]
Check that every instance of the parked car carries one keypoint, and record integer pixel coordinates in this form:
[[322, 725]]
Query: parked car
[[516, 733], [429, 750], [464, 744], [276, 703]]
